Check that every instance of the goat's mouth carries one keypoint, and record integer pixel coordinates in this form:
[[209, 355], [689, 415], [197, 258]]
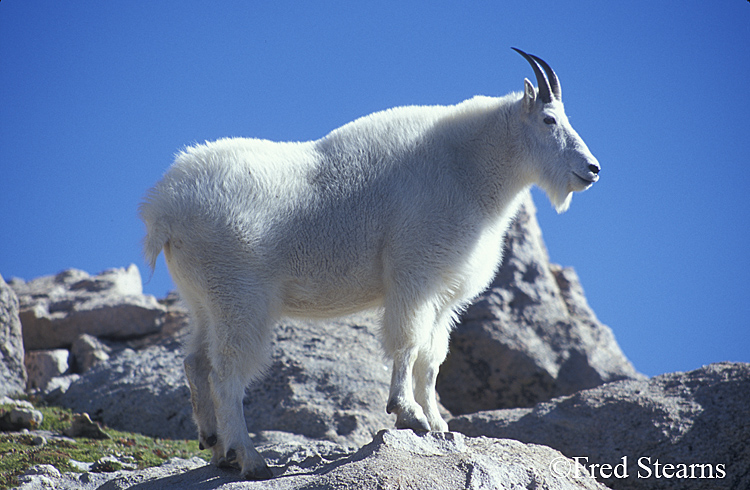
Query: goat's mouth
[[587, 181]]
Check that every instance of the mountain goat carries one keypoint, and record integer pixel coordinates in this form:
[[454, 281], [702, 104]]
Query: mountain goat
[[403, 209]]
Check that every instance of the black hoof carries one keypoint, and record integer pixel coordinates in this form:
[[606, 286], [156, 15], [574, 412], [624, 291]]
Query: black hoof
[[263, 473], [210, 442], [391, 407], [231, 456], [415, 425]]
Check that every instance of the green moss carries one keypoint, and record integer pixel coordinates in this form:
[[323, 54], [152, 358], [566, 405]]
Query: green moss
[[18, 452]]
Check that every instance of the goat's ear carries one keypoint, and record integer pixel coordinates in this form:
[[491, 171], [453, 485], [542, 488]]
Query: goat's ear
[[529, 95]]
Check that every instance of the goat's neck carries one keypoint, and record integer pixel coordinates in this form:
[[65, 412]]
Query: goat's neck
[[492, 164]]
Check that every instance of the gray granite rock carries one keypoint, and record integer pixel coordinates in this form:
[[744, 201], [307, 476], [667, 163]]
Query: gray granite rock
[[699, 418], [88, 351], [20, 416], [327, 380], [12, 369], [139, 391], [55, 310], [43, 365]]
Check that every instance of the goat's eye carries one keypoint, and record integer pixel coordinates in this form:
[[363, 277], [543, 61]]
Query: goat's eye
[[550, 120]]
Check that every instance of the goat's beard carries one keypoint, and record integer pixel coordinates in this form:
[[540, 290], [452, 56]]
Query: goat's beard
[[562, 205], [560, 197]]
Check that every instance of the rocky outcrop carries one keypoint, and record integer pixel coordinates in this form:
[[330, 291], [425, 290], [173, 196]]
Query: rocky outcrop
[[393, 459], [531, 336], [12, 369], [327, 381], [698, 422], [55, 310]]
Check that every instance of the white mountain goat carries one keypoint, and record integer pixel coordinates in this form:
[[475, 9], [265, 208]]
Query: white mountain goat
[[404, 209]]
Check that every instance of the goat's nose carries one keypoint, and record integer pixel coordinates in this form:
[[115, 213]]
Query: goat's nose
[[594, 168]]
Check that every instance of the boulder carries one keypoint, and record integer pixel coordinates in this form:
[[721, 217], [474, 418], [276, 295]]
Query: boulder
[[56, 386], [43, 365], [87, 351], [446, 460], [55, 310], [12, 368], [531, 336], [139, 391], [698, 422], [393, 459], [327, 380]]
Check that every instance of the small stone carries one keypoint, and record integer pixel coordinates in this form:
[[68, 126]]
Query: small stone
[[19, 418], [43, 470], [80, 465], [83, 426], [109, 464]]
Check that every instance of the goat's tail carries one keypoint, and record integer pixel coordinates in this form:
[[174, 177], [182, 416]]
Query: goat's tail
[[155, 240], [157, 233]]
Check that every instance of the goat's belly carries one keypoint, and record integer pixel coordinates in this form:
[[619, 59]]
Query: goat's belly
[[310, 300]]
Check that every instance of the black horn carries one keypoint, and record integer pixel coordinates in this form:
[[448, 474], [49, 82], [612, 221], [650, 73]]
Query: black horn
[[554, 83], [545, 91]]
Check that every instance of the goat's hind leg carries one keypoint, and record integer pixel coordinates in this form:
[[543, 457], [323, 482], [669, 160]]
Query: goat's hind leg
[[239, 450], [197, 369], [238, 350]]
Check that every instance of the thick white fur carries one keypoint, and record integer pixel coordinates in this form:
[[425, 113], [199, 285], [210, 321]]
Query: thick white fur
[[404, 209]]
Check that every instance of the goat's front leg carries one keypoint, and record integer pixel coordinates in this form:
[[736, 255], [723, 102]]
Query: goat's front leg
[[409, 415], [425, 375]]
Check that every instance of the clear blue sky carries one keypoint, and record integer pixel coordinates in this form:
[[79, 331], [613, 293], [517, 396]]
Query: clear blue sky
[[97, 96]]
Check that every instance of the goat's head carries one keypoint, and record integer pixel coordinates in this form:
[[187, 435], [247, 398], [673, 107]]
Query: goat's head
[[561, 160]]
